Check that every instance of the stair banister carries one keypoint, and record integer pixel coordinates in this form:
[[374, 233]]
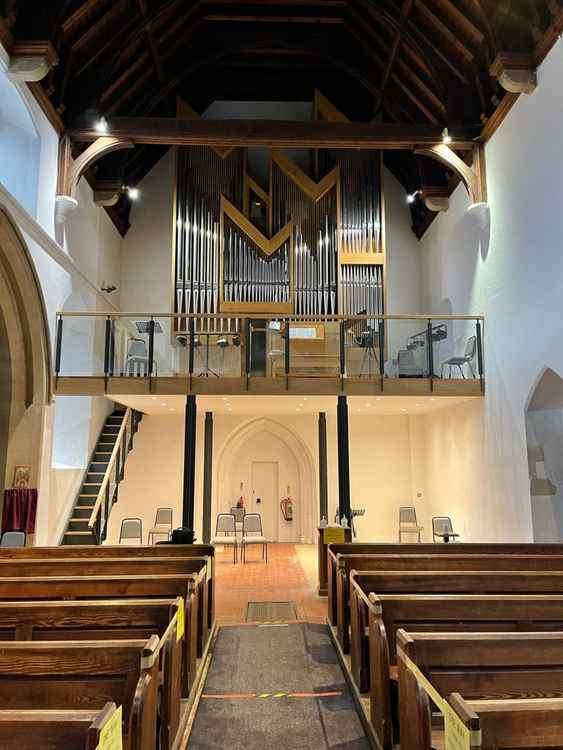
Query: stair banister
[[100, 512]]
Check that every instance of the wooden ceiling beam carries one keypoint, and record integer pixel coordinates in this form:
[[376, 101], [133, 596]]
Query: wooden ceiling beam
[[461, 20], [278, 133], [265, 3], [419, 104], [406, 8], [227, 18], [445, 32], [156, 61]]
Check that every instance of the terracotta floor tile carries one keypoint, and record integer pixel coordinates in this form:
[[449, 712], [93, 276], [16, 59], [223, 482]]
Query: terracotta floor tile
[[282, 578]]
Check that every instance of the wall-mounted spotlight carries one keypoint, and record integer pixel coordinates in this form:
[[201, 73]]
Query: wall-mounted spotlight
[[101, 126], [133, 192], [446, 137], [411, 197]]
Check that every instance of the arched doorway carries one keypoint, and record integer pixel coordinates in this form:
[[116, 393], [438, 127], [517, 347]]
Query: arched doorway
[[544, 439], [25, 370], [267, 457]]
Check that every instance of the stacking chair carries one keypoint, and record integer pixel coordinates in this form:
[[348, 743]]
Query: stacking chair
[[226, 533], [252, 534], [443, 529], [408, 523], [131, 531], [162, 524], [239, 514], [459, 362], [137, 357], [13, 539]]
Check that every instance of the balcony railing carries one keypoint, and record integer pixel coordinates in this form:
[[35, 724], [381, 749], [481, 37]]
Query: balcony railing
[[153, 345]]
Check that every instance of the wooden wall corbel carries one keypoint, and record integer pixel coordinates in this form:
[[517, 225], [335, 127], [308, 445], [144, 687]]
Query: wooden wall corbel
[[436, 197], [473, 177], [516, 72], [31, 61], [71, 170]]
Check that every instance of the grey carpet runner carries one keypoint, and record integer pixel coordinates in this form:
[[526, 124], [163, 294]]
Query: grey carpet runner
[[276, 687]]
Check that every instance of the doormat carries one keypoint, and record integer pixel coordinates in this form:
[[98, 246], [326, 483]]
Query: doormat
[[270, 612]]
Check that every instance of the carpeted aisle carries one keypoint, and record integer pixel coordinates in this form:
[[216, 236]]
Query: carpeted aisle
[[276, 687]]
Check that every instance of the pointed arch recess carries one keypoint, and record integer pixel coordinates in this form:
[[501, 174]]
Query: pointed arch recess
[[298, 449]]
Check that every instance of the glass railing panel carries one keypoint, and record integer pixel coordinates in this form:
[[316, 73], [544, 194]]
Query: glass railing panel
[[314, 348], [456, 350], [362, 347], [82, 345], [406, 349], [217, 348], [129, 347]]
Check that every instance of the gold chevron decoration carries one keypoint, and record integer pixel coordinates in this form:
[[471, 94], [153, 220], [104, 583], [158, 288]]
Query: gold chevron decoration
[[315, 190], [267, 245]]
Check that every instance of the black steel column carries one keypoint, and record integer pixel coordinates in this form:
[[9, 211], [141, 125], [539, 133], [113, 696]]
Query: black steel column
[[343, 458], [323, 489], [207, 476], [188, 503]]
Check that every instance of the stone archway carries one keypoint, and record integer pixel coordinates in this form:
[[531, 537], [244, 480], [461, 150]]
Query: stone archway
[[25, 366], [308, 502]]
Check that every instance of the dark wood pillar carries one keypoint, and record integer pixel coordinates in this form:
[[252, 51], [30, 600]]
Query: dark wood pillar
[[188, 504], [323, 486], [207, 476], [343, 458]]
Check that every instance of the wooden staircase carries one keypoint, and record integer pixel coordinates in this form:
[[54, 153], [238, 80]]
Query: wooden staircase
[[77, 531]]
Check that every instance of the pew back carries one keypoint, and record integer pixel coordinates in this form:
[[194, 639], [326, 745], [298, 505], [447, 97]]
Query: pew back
[[53, 730], [425, 549], [373, 563], [494, 666], [373, 666], [518, 724], [88, 674]]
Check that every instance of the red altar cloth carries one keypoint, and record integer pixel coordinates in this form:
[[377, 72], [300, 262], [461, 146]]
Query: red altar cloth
[[20, 508]]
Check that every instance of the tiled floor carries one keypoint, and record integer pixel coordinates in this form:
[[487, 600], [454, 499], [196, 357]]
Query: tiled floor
[[289, 575]]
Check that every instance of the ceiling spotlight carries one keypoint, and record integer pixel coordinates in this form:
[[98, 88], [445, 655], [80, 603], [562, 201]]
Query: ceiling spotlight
[[133, 193], [446, 137], [163, 404], [403, 409], [101, 125]]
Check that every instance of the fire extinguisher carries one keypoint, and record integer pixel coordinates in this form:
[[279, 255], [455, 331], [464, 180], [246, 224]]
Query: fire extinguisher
[[286, 506]]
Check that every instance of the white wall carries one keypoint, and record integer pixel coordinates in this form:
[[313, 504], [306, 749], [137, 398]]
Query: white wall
[[71, 268], [516, 280]]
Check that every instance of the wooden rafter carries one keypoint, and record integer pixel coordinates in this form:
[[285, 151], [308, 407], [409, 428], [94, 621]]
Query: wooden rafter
[[405, 12], [157, 62]]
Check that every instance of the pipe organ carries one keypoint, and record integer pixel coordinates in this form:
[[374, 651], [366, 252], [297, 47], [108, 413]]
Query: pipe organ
[[318, 249]]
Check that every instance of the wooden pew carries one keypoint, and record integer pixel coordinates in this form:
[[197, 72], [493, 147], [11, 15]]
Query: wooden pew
[[36, 568], [86, 675], [453, 561], [118, 587], [375, 667], [518, 724], [121, 551], [361, 548], [443, 582], [53, 730], [112, 620], [493, 666]]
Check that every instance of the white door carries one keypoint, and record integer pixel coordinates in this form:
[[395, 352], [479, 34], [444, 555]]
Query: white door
[[264, 498]]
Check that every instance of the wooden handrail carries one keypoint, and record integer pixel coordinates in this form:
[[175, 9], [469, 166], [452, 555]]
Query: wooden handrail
[[261, 316], [110, 467]]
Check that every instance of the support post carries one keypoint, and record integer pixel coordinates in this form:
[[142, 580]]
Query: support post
[[207, 476], [58, 348], [343, 458], [480, 354], [323, 488], [430, 348], [188, 502]]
